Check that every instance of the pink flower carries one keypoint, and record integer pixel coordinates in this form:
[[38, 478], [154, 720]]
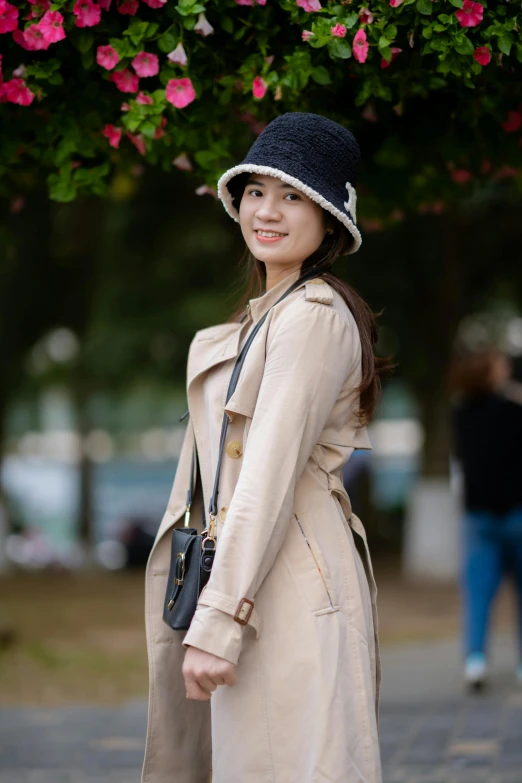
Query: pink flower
[[16, 91], [339, 30], [18, 37], [365, 16], [307, 34], [139, 141], [125, 106], [113, 134], [51, 25], [128, 7], [245, 2], [159, 132], [360, 46], [203, 26], [513, 122], [178, 55], [155, 3], [146, 64], [107, 57], [259, 87], [35, 38], [105, 4], [396, 3], [39, 8], [461, 176], [309, 5], [88, 14], [204, 190], [470, 15], [144, 99], [394, 52], [180, 92], [125, 80], [8, 17], [182, 162], [482, 55]]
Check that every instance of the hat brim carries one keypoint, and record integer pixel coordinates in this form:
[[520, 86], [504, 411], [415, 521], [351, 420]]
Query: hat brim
[[227, 197]]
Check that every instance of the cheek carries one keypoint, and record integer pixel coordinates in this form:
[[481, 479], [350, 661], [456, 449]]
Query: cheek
[[311, 227]]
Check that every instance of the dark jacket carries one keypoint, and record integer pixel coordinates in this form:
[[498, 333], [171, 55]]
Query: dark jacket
[[487, 433]]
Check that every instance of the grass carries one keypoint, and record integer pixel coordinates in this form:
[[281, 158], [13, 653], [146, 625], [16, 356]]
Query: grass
[[80, 638]]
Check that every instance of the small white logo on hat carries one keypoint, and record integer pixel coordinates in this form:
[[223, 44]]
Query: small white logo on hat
[[352, 200]]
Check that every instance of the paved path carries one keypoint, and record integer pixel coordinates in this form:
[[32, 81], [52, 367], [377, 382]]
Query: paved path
[[430, 731]]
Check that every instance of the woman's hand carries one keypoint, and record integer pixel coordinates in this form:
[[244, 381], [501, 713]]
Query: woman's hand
[[203, 672]]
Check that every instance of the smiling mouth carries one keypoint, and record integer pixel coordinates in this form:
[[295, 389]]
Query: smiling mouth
[[269, 234]]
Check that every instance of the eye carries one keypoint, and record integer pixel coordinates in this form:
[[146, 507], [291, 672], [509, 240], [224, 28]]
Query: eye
[[293, 196], [251, 192]]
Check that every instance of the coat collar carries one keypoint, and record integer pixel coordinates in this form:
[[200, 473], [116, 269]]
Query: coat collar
[[261, 304]]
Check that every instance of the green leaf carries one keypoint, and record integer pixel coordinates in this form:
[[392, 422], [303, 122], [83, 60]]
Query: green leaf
[[136, 28], [148, 129], [505, 42], [519, 52], [340, 48], [81, 39], [61, 187], [88, 59], [391, 31], [425, 7], [463, 45], [384, 43], [152, 29], [227, 24], [166, 43], [320, 75], [457, 3], [386, 53], [351, 20]]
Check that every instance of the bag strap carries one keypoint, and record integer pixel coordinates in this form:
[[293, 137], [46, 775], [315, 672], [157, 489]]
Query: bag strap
[[232, 385]]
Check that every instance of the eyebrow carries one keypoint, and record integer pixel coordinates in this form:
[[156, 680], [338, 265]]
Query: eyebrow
[[262, 184]]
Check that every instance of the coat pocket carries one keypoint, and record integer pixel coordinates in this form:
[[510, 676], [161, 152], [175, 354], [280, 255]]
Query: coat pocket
[[308, 567]]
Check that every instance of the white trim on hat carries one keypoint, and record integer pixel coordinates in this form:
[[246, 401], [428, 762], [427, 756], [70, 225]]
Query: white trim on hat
[[227, 198]]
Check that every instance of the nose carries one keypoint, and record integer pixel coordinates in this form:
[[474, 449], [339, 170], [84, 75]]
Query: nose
[[268, 210]]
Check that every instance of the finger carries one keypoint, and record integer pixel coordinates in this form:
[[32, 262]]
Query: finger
[[206, 682], [195, 691], [229, 676]]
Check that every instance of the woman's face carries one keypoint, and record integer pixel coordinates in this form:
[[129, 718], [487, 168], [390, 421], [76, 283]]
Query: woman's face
[[281, 225]]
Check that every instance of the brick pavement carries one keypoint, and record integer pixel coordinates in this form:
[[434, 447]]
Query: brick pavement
[[430, 731]]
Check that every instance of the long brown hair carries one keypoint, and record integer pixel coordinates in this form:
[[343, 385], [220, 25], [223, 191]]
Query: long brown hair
[[335, 244]]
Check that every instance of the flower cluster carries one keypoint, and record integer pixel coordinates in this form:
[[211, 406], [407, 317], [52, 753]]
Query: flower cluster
[[183, 74]]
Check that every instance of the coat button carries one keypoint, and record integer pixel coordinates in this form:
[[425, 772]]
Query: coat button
[[234, 449], [223, 513]]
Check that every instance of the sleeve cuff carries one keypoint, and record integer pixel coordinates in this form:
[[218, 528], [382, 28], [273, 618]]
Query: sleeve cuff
[[215, 632]]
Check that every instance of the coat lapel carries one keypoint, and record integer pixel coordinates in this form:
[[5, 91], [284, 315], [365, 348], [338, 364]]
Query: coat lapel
[[210, 347]]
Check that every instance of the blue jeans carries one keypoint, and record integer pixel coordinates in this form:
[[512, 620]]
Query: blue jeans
[[492, 548]]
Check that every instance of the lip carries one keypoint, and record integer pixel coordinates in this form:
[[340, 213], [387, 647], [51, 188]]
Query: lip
[[268, 240]]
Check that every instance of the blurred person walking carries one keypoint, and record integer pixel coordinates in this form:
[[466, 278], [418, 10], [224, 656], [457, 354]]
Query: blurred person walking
[[487, 430], [284, 637]]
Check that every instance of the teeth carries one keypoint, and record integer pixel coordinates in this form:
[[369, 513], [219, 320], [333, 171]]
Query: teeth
[[269, 234]]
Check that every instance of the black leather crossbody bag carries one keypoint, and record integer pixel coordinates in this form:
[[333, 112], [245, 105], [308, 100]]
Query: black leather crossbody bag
[[192, 554]]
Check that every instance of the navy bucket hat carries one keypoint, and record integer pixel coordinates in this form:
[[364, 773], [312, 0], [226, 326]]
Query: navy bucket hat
[[313, 154]]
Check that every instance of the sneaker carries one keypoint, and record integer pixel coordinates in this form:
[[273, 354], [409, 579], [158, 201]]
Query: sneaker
[[475, 671]]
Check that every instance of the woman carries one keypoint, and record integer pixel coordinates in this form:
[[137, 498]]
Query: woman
[[487, 423], [292, 695]]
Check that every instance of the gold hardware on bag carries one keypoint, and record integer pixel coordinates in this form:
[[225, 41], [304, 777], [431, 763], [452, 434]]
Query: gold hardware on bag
[[210, 532], [187, 516], [180, 556]]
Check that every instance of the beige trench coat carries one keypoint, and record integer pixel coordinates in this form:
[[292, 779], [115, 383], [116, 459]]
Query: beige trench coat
[[304, 709]]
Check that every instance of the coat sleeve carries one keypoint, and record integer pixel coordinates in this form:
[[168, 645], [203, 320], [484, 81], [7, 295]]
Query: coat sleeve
[[311, 351]]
